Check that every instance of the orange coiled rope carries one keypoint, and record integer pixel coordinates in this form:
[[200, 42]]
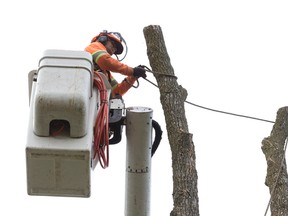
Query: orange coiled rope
[[101, 129]]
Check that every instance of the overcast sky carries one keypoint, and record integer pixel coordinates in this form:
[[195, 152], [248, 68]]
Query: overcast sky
[[229, 55]]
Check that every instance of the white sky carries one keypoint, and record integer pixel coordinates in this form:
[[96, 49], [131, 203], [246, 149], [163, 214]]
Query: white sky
[[229, 55]]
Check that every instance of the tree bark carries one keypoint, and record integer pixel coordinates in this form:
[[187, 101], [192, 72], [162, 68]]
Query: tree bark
[[173, 96], [273, 148]]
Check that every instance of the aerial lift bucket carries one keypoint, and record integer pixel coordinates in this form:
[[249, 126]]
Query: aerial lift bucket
[[61, 93]]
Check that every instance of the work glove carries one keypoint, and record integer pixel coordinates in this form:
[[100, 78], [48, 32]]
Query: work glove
[[139, 72]]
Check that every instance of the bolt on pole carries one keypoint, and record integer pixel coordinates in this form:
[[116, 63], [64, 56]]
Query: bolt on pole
[[138, 161]]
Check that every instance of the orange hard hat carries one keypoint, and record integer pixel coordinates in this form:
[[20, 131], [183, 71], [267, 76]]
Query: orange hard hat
[[104, 36]]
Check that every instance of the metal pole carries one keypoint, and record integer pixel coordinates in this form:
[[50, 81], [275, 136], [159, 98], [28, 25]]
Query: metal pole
[[138, 161]]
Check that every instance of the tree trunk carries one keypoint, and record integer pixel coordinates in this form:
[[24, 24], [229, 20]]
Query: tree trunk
[[173, 96], [277, 179]]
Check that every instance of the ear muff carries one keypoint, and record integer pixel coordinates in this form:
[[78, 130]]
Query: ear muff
[[103, 39]]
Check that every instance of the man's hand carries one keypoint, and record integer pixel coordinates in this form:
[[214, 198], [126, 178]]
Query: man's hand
[[139, 72]]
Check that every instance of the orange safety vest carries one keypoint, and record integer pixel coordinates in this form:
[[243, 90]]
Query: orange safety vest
[[103, 61]]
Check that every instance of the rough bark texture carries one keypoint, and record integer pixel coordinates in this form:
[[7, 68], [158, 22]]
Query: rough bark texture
[[273, 148], [172, 96]]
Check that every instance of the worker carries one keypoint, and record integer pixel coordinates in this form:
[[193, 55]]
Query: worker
[[102, 47]]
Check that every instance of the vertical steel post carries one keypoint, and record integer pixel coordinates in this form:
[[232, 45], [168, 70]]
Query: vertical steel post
[[138, 161]]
